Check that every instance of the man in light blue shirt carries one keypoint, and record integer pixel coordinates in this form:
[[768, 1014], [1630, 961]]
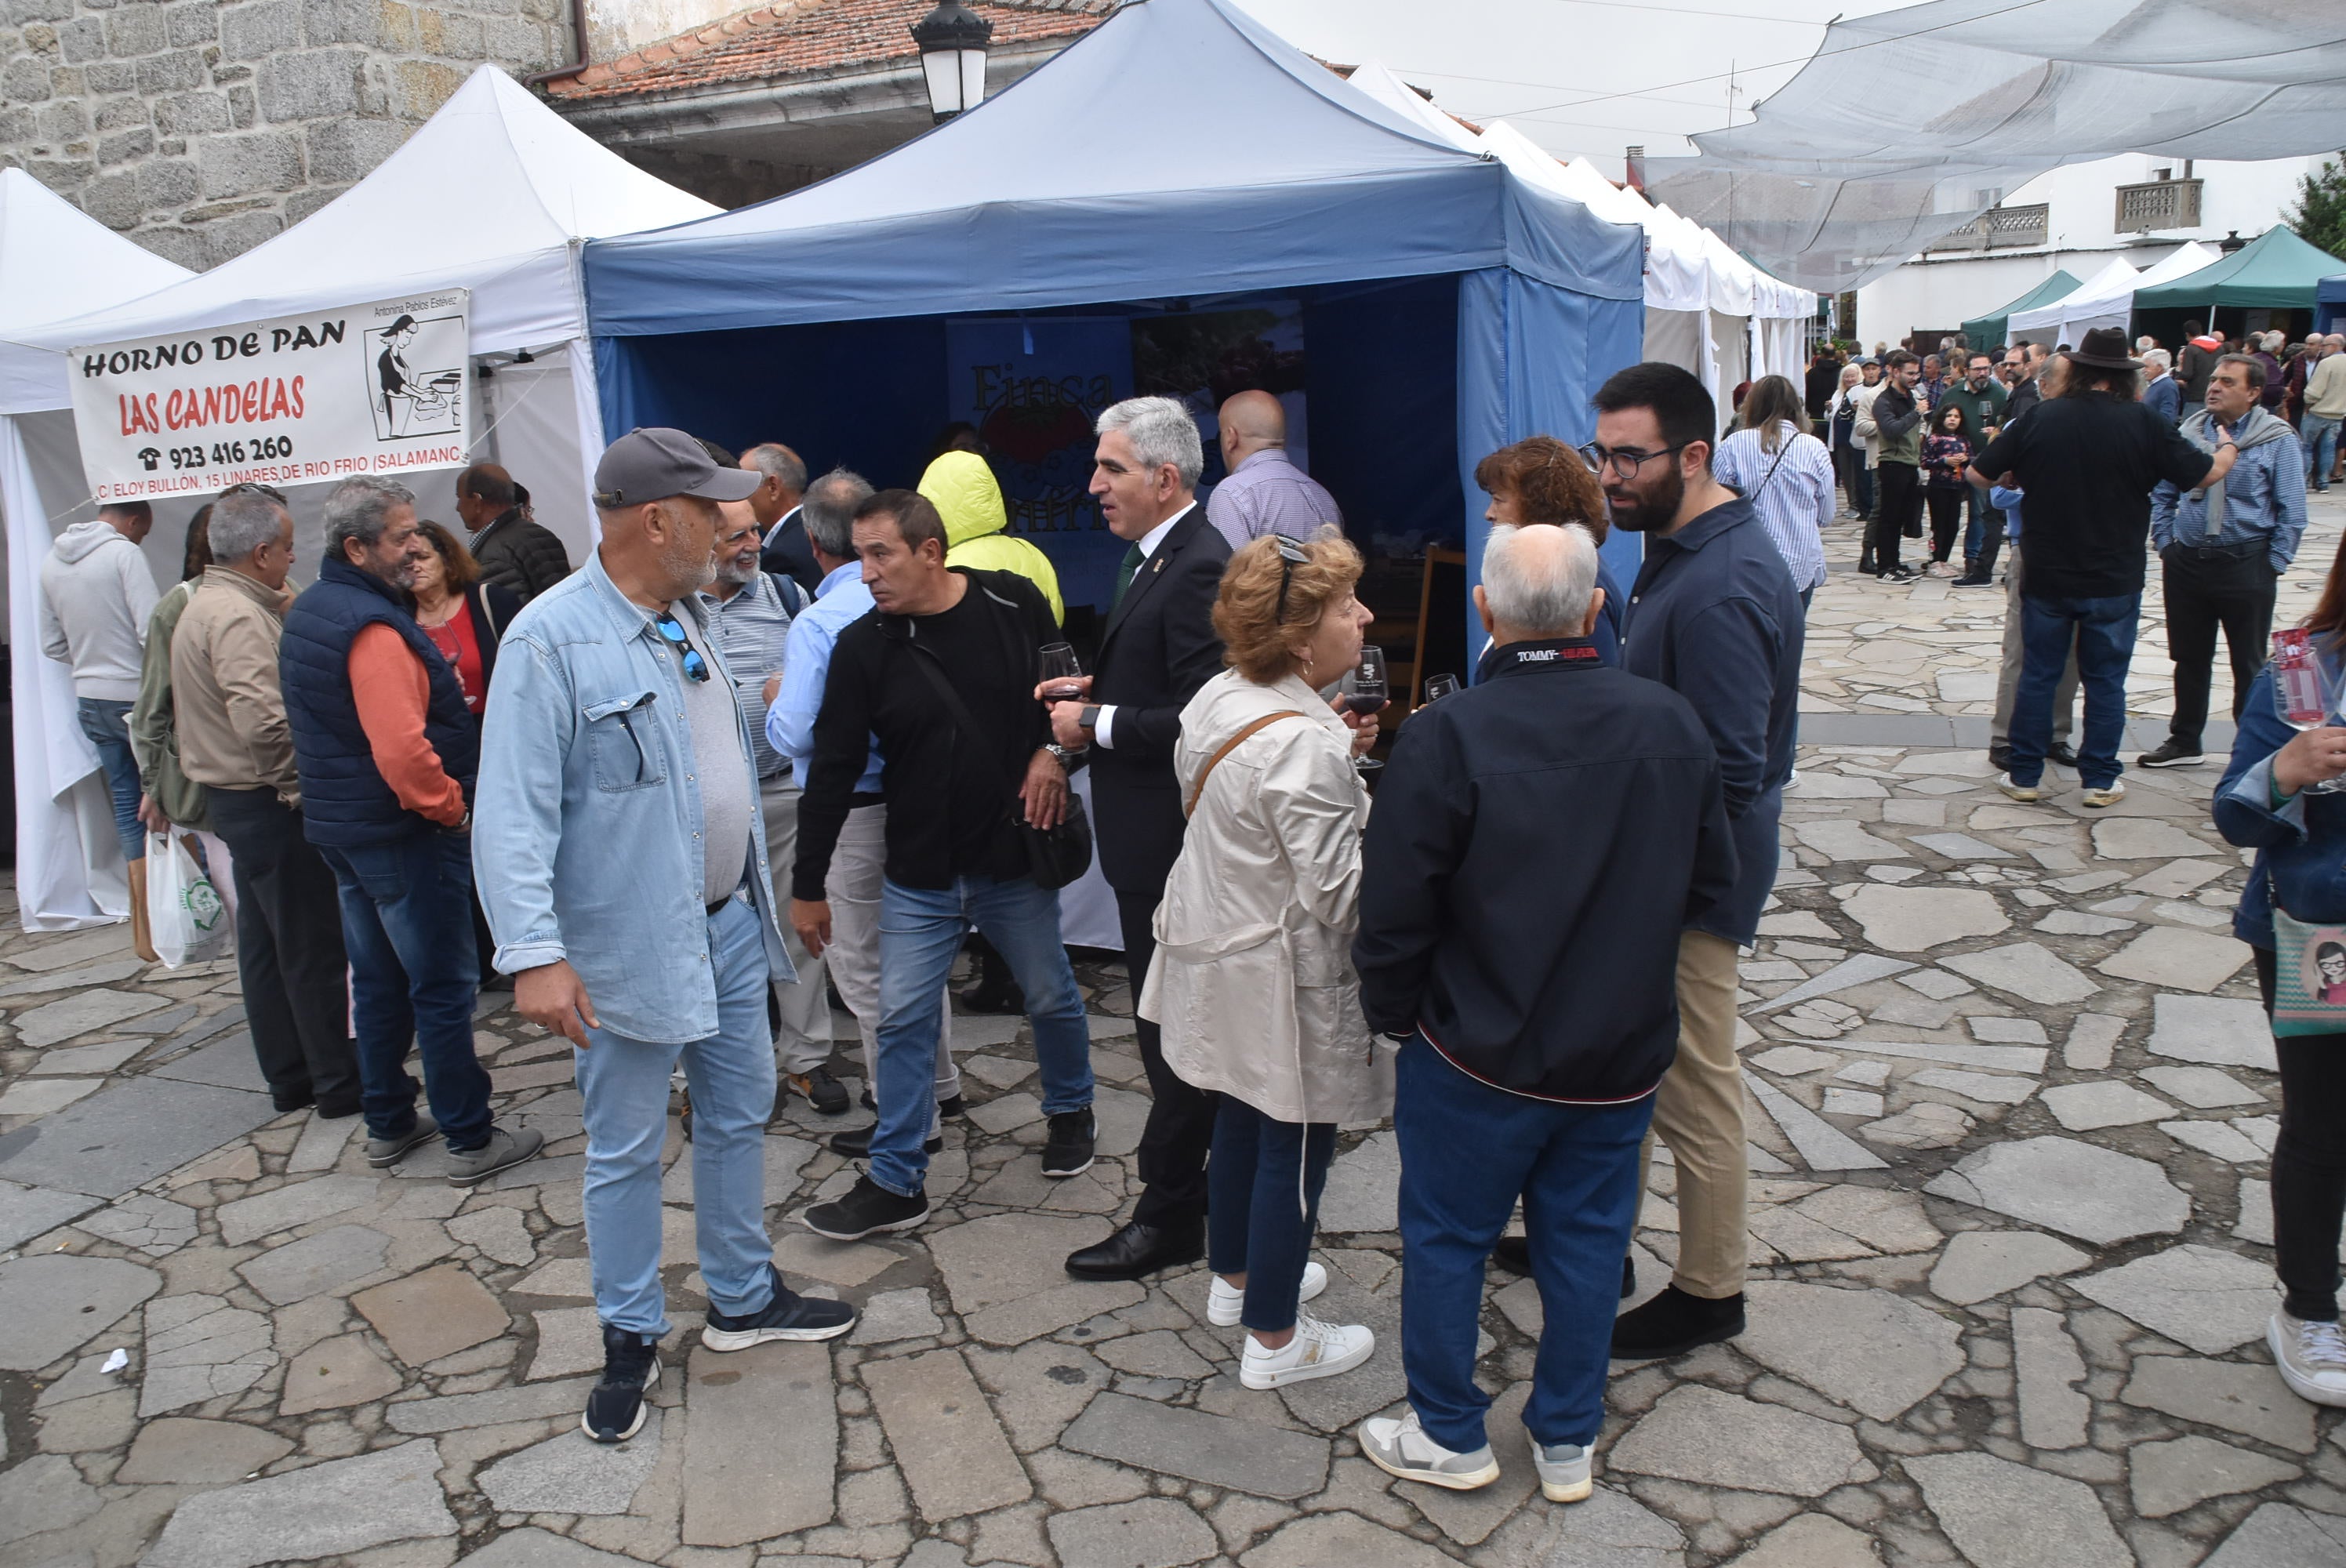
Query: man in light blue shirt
[[1265, 492], [794, 698]]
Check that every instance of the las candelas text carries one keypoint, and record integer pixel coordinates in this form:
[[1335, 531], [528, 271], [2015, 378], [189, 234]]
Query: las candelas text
[[194, 408]]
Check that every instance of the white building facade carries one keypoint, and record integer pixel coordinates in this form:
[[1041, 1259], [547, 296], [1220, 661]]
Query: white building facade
[[2136, 206]]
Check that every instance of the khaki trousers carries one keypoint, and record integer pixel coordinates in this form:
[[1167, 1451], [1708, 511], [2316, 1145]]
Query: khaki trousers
[[857, 872], [2007, 677], [1699, 1112], [802, 1043]]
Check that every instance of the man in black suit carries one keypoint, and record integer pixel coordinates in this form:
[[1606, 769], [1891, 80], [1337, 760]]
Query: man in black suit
[[1159, 649], [785, 549]]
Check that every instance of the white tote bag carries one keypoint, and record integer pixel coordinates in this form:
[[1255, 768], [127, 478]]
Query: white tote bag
[[186, 919]]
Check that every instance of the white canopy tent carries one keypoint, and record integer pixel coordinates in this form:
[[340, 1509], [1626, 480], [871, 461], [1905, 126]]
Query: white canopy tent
[[2106, 298], [55, 261], [494, 194]]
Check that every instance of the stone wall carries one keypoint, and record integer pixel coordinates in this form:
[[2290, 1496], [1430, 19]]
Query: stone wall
[[199, 130]]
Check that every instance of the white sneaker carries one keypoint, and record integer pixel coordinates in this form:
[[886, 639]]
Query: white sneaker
[[1563, 1470], [1398, 1446], [2311, 1358], [1318, 1351], [1224, 1305], [2021, 793], [2110, 795]]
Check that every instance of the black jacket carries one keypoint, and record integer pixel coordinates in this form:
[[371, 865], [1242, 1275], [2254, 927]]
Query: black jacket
[[1159, 649], [493, 608], [520, 556], [874, 691], [788, 554], [1539, 841]]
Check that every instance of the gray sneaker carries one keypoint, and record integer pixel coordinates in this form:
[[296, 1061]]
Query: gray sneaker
[[382, 1152], [1400, 1447], [1564, 1470], [505, 1148]]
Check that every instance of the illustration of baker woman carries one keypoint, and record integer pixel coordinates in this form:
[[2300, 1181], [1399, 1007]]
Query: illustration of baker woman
[[406, 398]]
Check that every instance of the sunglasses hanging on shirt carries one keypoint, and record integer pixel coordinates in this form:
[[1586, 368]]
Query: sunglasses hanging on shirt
[[670, 627]]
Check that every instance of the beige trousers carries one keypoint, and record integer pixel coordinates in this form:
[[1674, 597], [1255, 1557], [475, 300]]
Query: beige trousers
[[1699, 1112], [2007, 677], [804, 1041], [857, 872]]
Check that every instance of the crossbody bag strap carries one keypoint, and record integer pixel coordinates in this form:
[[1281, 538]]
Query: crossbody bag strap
[[1199, 788], [964, 722]]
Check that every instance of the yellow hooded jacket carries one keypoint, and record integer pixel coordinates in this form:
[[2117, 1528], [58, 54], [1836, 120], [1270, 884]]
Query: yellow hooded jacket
[[962, 488]]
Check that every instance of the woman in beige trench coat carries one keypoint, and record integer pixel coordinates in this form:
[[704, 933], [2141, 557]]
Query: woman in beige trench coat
[[1252, 983]]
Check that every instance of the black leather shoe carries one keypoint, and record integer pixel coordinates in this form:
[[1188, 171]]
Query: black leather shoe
[[1513, 1253], [953, 1105], [1674, 1323], [1138, 1251], [855, 1143], [2064, 753], [1999, 759]]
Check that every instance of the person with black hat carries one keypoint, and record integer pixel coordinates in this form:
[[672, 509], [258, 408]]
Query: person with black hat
[[622, 861], [2088, 460]]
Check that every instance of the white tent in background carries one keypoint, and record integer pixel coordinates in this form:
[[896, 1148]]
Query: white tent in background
[[494, 194], [2106, 298], [1376, 79], [53, 262]]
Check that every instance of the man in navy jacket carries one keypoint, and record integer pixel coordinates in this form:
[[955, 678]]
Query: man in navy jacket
[[1713, 616], [1539, 842]]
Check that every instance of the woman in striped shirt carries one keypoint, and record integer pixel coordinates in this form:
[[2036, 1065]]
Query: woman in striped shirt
[[1786, 474]]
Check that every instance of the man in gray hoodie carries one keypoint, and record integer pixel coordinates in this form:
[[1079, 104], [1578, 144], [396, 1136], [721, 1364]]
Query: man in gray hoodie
[[95, 595]]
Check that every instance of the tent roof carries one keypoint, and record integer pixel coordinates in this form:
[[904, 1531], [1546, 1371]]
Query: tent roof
[[488, 194], [2276, 270], [55, 261], [2331, 289], [2063, 282], [2115, 280], [1178, 150], [1376, 78]]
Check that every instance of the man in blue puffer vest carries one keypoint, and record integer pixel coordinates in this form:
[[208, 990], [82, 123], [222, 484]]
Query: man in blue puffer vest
[[387, 753]]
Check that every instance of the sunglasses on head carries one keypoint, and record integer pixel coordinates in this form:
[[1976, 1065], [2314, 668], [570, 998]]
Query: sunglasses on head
[[670, 627], [1290, 555], [250, 488]]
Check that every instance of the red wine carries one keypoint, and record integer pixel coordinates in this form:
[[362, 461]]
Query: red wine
[[1063, 694], [1355, 703]]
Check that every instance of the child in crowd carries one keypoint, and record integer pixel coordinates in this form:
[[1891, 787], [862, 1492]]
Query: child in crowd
[[1945, 455]]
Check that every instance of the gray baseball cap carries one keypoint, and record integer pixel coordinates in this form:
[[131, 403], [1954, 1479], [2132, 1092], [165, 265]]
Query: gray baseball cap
[[652, 464]]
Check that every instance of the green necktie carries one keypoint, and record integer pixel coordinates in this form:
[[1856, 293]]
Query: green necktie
[[1131, 563]]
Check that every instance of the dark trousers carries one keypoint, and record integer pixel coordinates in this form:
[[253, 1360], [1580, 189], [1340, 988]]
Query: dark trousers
[[1856, 479], [289, 952], [1467, 1152], [1267, 1176], [1947, 517], [2308, 1164], [407, 925], [1991, 544], [1181, 1129], [2229, 586], [2101, 631], [1901, 503]]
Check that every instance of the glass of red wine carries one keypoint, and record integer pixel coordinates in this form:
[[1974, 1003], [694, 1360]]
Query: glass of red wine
[[1364, 690], [1058, 672], [1438, 687]]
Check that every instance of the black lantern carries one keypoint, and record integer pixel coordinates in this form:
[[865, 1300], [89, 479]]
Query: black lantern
[[953, 40]]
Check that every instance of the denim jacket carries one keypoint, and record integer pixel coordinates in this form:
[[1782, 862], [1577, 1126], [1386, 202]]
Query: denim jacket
[[584, 818], [2301, 845]]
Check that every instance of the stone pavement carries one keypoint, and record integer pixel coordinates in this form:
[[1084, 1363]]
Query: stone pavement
[[2012, 1105]]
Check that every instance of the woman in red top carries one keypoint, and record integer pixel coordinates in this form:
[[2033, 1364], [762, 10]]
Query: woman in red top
[[464, 616]]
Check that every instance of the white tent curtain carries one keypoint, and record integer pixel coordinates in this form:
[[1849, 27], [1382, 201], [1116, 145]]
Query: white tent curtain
[[2106, 299]]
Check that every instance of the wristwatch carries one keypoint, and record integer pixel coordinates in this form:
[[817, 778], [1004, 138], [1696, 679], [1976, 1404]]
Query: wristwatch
[[1089, 718]]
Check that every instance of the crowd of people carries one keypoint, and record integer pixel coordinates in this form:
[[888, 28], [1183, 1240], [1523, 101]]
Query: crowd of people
[[833, 726]]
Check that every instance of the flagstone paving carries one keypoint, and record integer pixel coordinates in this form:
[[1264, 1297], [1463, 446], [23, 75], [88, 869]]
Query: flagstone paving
[[2012, 1105]]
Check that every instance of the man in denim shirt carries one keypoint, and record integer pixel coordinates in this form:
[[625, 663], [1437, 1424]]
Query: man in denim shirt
[[2222, 549], [622, 861]]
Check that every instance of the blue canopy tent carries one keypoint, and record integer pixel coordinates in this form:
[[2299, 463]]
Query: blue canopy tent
[[1178, 162], [2330, 303]]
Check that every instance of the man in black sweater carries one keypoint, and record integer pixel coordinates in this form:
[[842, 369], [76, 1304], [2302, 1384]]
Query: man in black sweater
[[1529, 976], [514, 552], [940, 674]]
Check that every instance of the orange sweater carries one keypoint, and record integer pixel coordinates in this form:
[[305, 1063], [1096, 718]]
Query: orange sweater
[[390, 685]]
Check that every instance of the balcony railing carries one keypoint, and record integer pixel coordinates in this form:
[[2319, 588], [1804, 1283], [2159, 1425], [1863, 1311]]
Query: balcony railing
[[1998, 227], [2160, 204]]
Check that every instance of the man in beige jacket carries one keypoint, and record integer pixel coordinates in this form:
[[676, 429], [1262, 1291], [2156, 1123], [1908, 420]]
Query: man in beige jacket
[[233, 740]]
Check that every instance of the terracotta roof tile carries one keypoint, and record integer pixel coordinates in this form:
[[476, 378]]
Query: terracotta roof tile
[[807, 37]]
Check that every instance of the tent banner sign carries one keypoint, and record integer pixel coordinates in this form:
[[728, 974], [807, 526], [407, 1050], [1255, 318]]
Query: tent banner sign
[[379, 388]]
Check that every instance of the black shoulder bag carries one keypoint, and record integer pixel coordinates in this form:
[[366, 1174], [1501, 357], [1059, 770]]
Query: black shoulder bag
[[1055, 856]]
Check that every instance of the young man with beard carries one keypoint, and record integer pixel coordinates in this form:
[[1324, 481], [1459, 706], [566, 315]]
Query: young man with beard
[[1896, 418], [1714, 616]]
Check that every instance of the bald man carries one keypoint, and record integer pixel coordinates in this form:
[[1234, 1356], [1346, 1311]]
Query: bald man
[[514, 551], [1265, 494]]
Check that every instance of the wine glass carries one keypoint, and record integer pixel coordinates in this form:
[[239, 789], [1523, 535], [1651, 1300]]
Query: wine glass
[[1363, 691], [1059, 663], [1438, 687], [2306, 690]]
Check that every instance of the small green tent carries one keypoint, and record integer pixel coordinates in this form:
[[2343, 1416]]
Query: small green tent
[[1988, 331], [2277, 270]]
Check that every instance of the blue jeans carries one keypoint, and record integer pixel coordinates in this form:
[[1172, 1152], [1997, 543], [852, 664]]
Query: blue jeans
[[1467, 1152], [1262, 1186], [407, 929], [1975, 511], [2320, 436], [920, 930], [625, 1084], [107, 725], [2105, 630], [1861, 498]]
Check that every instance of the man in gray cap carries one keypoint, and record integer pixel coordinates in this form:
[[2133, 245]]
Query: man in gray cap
[[622, 861]]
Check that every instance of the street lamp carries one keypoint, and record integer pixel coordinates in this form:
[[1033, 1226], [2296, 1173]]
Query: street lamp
[[953, 40]]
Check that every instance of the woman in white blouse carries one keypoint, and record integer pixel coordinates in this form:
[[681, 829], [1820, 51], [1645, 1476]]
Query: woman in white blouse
[[1787, 475]]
